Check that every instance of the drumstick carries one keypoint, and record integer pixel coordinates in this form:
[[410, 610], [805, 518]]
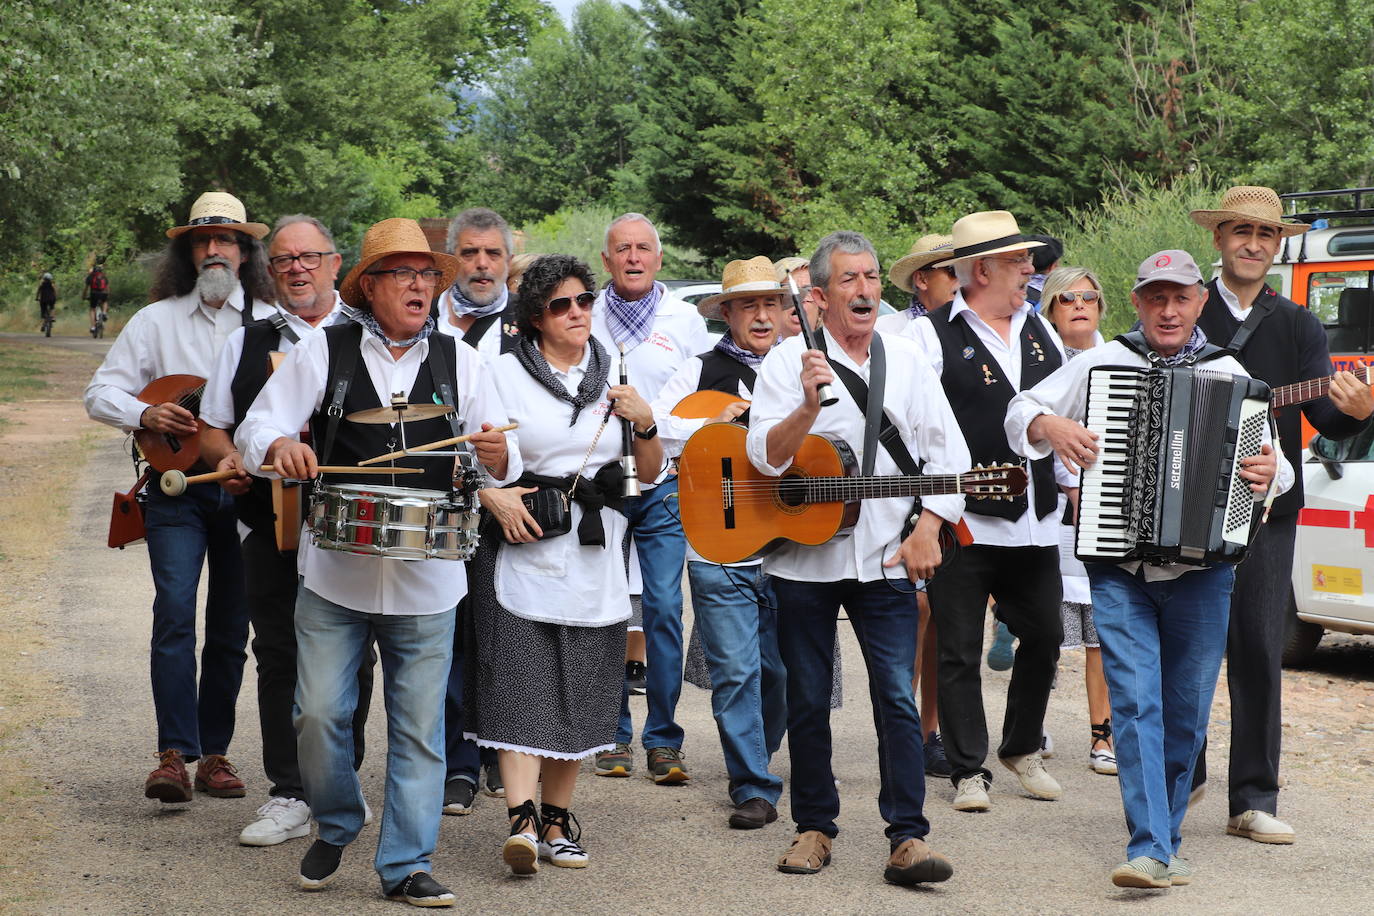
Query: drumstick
[[174, 483], [429, 447]]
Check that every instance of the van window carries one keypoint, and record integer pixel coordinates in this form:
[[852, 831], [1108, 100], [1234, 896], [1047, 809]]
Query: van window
[[1359, 447], [1341, 301]]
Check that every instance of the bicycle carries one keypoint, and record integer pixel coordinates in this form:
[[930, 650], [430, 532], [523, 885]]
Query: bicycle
[[48, 320], [98, 329]]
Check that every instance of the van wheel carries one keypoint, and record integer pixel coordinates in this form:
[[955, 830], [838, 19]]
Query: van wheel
[[1302, 638]]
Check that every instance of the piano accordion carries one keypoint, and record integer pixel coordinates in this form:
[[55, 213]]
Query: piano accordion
[[1166, 487]]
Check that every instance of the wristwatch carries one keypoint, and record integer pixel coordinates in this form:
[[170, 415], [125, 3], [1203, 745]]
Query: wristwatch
[[648, 433]]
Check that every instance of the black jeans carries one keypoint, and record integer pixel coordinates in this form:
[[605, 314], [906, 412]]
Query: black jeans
[[271, 583], [1025, 583], [1254, 669]]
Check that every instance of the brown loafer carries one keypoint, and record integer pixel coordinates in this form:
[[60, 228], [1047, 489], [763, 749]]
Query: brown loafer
[[753, 813], [913, 862], [216, 776], [810, 853], [169, 783]]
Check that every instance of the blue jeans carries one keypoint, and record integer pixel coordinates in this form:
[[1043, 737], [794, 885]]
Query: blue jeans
[[657, 532], [183, 531], [1162, 644], [415, 652], [462, 758], [884, 621], [737, 617]]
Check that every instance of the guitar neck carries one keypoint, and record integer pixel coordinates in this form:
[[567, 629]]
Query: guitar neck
[[844, 489], [1301, 392]]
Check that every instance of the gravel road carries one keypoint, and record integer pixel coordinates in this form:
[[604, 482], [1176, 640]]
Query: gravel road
[[99, 846]]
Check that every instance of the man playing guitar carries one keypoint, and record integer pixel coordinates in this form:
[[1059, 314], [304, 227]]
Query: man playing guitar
[[213, 280]]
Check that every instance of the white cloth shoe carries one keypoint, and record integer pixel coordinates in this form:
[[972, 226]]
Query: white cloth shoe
[[1102, 760], [971, 794], [279, 820], [1260, 827], [1030, 769], [367, 813], [563, 852]]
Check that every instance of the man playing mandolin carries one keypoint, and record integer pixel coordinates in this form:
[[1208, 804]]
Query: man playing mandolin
[[214, 267], [811, 583]]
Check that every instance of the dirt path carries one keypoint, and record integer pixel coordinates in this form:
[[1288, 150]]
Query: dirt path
[[77, 732]]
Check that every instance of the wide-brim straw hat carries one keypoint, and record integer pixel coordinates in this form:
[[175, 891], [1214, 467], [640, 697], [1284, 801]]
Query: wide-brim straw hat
[[394, 236], [1250, 204], [220, 210], [784, 266], [986, 233], [926, 251], [739, 280]]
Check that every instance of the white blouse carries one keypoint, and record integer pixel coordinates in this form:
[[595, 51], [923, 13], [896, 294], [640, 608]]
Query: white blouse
[[559, 580]]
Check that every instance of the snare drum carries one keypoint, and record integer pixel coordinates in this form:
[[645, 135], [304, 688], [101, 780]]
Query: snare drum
[[394, 522]]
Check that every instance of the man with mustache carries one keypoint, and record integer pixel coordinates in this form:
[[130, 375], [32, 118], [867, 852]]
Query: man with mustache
[[986, 345], [476, 307], [736, 612], [908, 420], [305, 266], [211, 282]]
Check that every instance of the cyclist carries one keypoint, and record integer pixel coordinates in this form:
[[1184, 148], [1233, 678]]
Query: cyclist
[[97, 289], [47, 302]]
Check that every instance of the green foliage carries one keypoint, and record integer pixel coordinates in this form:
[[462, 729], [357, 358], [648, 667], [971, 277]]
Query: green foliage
[[581, 231], [1112, 237]]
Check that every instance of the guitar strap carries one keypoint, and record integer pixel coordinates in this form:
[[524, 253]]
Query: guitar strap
[[443, 383], [878, 427], [341, 370], [283, 328], [1247, 328]]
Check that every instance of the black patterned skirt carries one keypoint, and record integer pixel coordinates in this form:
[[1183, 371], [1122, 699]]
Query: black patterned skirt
[[541, 688]]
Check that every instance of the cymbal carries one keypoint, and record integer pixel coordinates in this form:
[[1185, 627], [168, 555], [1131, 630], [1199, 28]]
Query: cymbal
[[409, 413]]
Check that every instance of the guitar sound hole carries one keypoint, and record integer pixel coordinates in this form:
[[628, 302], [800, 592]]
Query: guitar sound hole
[[792, 492]]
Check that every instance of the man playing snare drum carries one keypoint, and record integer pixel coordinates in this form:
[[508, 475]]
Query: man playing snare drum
[[346, 598]]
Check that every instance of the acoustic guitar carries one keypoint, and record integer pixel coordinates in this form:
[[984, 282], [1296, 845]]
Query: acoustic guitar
[[169, 451], [731, 512], [1302, 392], [703, 405]]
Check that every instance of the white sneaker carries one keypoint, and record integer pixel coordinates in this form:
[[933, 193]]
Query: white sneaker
[[563, 852], [279, 820], [367, 813], [1260, 827], [1030, 769], [971, 794]]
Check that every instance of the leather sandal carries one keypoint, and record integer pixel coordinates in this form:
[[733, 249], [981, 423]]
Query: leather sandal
[[809, 853]]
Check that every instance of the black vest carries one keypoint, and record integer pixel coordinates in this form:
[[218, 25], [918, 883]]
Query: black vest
[[354, 442], [979, 395], [724, 373], [260, 338]]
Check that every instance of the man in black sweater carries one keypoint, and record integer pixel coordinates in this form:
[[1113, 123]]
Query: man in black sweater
[[1280, 342]]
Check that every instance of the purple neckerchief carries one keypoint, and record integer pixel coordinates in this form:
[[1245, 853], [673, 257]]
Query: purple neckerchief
[[630, 320], [916, 309], [727, 345], [1196, 341]]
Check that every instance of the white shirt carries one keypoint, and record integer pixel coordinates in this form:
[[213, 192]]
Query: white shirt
[[1064, 394], [895, 323], [1233, 303], [489, 344], [294, 393], [176, 336], [559, 580], [916, 404], [217, 403], [1028, 530], [675, 431], [676, 334]]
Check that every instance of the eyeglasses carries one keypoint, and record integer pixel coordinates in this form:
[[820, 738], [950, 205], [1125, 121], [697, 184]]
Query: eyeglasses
[[404, 276], [309, 260], [203, 240], [1069, 296], [802, 293], [1018, 261], [947, 271], [561, 305]]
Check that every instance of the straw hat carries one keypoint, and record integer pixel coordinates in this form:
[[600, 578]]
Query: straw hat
[[784, 266], [741, 279], [990, 232], [215, 208], [1249, 204], [926, 251], [394, 236]]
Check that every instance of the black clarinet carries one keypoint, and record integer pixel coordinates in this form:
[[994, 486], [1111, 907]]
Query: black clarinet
[[823, 392], [628, 467]]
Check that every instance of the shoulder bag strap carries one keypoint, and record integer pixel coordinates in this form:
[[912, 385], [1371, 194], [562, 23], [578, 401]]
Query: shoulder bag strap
[[284, 328], [341, 370], [443, 379]]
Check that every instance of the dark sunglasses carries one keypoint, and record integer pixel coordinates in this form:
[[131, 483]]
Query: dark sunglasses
[[947, 271], [561, 305], [1087, 296]]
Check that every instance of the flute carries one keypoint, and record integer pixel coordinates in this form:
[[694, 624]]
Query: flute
[[823, 392], [628, 467]]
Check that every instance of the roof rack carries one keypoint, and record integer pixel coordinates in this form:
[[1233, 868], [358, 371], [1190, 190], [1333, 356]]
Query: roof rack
[[1363, 200]]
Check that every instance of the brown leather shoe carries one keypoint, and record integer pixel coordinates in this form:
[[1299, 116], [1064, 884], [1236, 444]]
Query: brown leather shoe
[[216, 776], [913, 862], [810, 853], [753, 813], [169, 783]]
